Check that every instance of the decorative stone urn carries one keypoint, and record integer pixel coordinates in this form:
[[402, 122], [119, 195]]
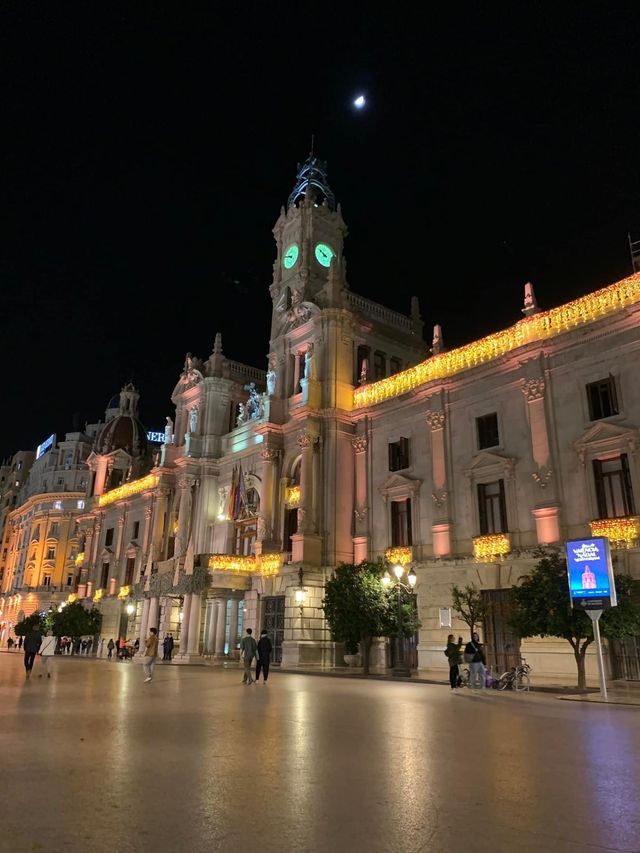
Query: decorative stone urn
[[352, 660]]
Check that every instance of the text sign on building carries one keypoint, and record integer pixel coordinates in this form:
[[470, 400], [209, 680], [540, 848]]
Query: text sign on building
[[591, 582], [155, 437], [47, 444]]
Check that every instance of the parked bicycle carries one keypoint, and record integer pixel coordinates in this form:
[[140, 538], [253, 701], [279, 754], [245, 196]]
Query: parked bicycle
[[517, 678]]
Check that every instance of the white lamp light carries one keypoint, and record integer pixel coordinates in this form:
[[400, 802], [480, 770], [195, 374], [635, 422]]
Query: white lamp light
[[386, 579], [131, 609], [412, 577], [398, 571], [300, 596]]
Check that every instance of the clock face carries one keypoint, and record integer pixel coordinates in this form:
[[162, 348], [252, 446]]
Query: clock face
[[324, 254], [290, 256]]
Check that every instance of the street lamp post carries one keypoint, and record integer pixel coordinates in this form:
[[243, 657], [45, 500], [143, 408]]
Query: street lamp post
[[401, 667]]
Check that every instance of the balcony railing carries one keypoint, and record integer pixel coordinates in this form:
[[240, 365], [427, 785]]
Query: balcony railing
[[401, 556], [491, 548], [622, 533]]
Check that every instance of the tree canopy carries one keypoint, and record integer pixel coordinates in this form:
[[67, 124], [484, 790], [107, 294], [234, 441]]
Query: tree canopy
[[76, 621], [470, 605]]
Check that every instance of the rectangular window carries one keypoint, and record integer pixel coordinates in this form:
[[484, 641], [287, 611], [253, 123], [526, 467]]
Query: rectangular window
[[57, 504], [104, 577], [54, 530], [401, 523], [395, 365], [108, 537], [128, 575], [399, 454], [69, 580], [492, 508], [80, 504], [613, 487], [51, 554], [487, 427], [379, 365], [136, 529], [46, 580], [245, 533], [602, 397]]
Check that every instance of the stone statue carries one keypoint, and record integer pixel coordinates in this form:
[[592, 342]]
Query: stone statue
[[253, 408], [310, 365], [363, 371], [168, 432], [193, 420], [271, 381], [242, 414]]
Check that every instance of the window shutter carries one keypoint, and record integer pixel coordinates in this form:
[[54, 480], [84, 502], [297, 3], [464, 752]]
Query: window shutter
[[409, 532], [600, 496], [482, 509], [628, 488], [503, 509]]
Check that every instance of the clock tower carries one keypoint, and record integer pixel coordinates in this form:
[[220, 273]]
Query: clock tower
[[309, 237]]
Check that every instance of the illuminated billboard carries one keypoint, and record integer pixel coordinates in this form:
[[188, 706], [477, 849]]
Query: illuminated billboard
[[47, 444], [155, 437], [591, 582]]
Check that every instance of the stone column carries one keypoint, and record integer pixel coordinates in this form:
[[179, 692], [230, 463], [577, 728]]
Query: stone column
[[210, 639], [144, 620], [119, 547], [441, 528], [361, 511], [305, 523], [193, 641], [547, 511], [146, 540], [184, 516], [153, 613], [233, 626], [185, 624], [267, 498], [221, 626]]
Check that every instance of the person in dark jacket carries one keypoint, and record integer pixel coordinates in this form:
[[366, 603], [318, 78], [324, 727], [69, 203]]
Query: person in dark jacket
[[264, 656], [32, 643], [453, 654], [476, 657]]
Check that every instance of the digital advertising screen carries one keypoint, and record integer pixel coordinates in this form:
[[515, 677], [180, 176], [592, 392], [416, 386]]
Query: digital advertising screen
[[591, 583]]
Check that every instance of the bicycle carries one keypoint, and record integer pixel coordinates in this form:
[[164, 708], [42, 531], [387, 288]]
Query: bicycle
[[517, 678]]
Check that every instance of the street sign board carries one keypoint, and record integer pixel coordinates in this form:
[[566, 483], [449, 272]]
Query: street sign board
[[591, 582]]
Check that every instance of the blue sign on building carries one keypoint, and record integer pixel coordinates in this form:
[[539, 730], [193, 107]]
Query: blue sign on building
[[591, 582], [47, 444], [155, 437]]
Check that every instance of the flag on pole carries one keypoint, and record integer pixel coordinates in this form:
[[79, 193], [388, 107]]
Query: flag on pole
[[232, 494], [241, 494]]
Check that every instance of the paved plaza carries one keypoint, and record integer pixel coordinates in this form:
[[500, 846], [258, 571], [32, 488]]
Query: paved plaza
[[96, 760]]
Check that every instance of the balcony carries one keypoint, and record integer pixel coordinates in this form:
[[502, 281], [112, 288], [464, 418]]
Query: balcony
[[399, 556], [491, 548], [622, 533]]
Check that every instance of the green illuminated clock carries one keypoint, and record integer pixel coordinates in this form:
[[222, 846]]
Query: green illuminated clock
[[290, 256], [324, 254]]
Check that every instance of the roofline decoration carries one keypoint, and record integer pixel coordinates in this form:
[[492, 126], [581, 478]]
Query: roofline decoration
[[537, 327], [129, 489]]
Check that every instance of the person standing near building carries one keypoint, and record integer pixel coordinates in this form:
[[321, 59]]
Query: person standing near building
[[110, 647], [47, 651], [150, 653], [453, 654], [32, 643], [171, 645], [264, 656], [248, 650], [476, 657]]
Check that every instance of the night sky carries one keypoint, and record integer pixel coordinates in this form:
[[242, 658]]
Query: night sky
[[147, 148]]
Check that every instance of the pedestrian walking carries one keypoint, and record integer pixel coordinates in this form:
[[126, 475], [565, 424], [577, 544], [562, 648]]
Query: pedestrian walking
[[476, 666], [47, 651], [248, 650], [150, 653], [20, 641], [453, 655], [110, 647], [171, 645], [136, 645], [10, 643], [32, 644], [89, 645], [264, 656], [165, 648]]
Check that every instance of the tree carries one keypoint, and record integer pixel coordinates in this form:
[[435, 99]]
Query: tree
[[76, 621], [33, 622], [358, 607], [542, 608], [470, 605]]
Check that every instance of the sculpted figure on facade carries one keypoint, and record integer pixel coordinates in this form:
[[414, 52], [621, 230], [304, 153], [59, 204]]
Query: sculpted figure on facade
[[168, 432], [271, 380], [253, 407], [193, 420]]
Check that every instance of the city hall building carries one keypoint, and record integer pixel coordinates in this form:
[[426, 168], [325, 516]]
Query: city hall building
[[357, 442]]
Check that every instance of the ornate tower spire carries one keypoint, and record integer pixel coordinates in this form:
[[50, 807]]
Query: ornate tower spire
[[312, 176]]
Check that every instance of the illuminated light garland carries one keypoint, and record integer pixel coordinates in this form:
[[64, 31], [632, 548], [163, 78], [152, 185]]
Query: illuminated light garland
[[125, 591], [292, 496], [265, 564], [129, 489], [97, 595], [399, 556], [79, 558], [537, 327], [72, 597], [488, 549], [621, 532]]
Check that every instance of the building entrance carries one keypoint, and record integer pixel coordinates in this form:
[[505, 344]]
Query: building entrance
[[501, 646], [273, 621]]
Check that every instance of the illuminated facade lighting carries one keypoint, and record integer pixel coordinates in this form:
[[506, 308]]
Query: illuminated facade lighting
[[125, 592], [79, 558], [488, 549], [129, 489], [98, 595], [399, 556], [265, 564], [537, 327], [72, 597], [292, 496], [621, 532]]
